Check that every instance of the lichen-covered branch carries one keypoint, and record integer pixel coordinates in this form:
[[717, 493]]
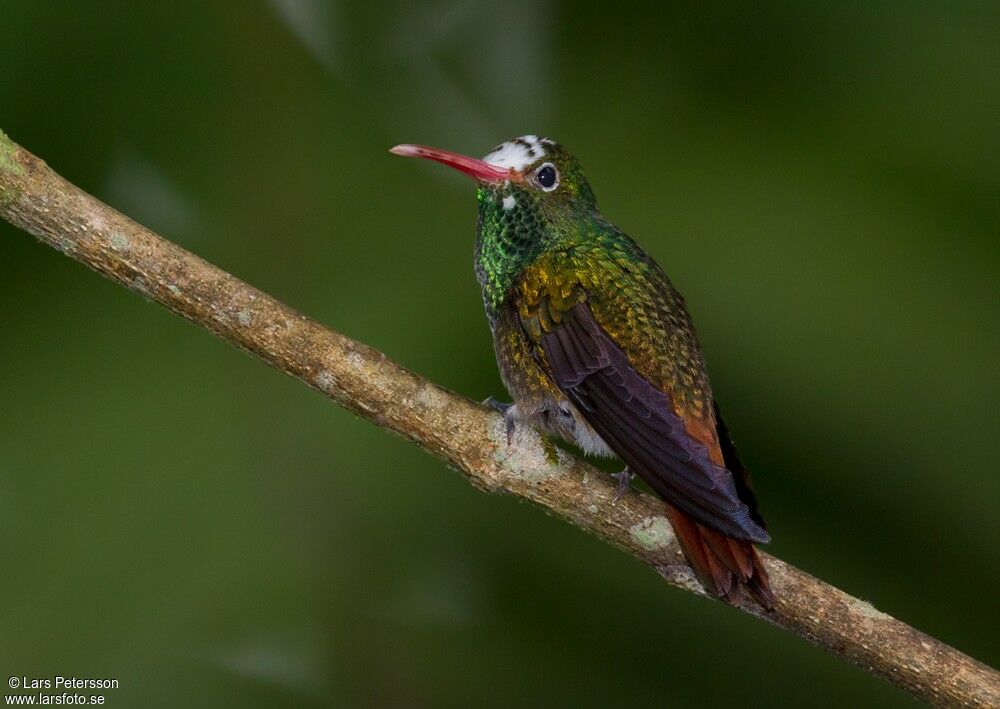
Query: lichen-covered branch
[[466, 435]]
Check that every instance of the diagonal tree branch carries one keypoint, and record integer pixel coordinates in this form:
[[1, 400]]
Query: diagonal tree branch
[[466, 435]]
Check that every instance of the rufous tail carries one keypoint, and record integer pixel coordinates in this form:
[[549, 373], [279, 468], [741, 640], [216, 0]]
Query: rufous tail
[[725, 566]]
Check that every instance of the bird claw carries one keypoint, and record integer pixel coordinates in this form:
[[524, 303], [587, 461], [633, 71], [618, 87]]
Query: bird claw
[[509, 414], [624, 478]]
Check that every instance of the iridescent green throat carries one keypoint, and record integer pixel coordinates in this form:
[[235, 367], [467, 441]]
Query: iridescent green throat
[[512, 233]]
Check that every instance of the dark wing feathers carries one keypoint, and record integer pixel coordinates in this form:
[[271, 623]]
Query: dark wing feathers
[[741, 476], [639, 423]]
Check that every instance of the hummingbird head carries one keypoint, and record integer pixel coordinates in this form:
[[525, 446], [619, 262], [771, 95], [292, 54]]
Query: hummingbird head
[[526, 172], [532, 197]]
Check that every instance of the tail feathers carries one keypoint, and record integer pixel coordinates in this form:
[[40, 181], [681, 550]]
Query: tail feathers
[[725, 566]]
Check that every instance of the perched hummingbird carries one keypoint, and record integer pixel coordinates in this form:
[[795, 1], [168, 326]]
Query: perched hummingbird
[[596, 347]]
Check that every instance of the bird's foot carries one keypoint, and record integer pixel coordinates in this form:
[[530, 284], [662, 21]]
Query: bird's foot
[[624, 479], [509, 412]]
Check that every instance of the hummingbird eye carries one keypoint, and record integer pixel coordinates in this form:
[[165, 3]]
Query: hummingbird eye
[[547, 177]]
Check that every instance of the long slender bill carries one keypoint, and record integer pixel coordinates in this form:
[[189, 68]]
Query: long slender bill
[[470, 166]]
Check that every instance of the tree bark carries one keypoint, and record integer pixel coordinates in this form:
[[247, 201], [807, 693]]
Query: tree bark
[[464, 434]]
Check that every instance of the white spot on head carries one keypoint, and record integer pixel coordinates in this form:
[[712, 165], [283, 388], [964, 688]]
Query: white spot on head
[[517, 154], [509, 202]]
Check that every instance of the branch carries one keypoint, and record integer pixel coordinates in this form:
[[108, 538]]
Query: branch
[[464, 434]]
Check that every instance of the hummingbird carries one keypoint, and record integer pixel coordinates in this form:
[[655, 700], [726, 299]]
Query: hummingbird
[[596, 347]]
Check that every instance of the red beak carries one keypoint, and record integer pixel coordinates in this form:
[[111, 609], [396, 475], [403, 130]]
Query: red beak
[[470, 166]]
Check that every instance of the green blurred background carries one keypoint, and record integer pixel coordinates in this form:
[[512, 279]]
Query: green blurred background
[[821, 181]]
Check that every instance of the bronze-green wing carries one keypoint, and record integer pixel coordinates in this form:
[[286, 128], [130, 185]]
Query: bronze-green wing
[[640, 423]]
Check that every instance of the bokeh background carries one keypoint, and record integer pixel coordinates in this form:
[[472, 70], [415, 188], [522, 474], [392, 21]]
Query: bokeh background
[[821, 181]]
